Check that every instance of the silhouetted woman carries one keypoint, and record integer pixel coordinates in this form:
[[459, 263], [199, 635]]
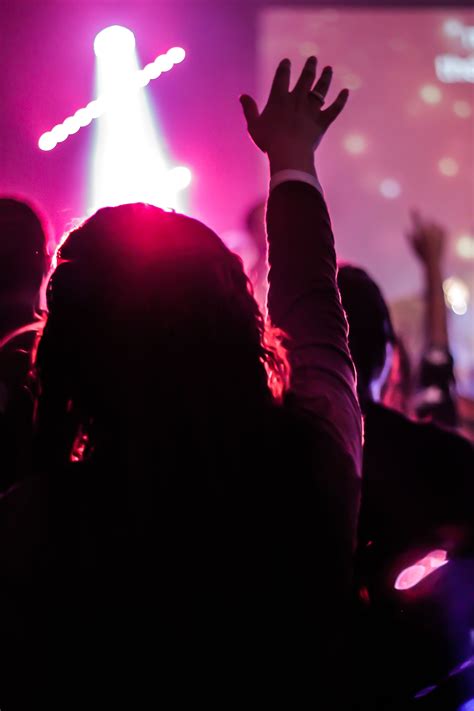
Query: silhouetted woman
[[192, 529]]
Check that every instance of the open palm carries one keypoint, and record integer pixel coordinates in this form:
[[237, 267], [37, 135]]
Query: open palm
[[293, 120]]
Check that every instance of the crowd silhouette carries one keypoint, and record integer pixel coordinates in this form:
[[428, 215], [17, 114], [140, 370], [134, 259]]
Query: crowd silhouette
[[190, 511]]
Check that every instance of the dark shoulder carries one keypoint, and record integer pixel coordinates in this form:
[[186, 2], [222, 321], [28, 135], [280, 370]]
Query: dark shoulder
[[393, 424], [23, 525], [394, 442]]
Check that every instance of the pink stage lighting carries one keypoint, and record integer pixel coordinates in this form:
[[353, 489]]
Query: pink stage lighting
[[409, 577], [113, 46], [114, 41], [130, 162]]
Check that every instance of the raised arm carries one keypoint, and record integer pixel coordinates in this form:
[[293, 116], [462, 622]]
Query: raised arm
[[303, 298], [435, 388]]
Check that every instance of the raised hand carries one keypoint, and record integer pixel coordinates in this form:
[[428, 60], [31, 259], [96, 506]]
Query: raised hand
[[427, 239], [293, 123]]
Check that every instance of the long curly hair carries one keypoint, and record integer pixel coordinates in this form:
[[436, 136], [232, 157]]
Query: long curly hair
[[152, 331]]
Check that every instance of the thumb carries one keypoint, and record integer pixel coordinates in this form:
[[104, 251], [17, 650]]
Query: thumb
[[250, 108]]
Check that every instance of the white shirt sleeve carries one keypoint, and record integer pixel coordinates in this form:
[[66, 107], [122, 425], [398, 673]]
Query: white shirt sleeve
[[283, 176]]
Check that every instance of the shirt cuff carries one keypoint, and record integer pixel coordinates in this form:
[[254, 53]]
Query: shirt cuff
[[438, 356], [284, 176]]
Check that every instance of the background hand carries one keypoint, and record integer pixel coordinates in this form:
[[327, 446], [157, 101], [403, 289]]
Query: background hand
[[427, 239]]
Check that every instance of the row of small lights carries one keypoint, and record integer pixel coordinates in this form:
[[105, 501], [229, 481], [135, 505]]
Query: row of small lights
[[84, 116]]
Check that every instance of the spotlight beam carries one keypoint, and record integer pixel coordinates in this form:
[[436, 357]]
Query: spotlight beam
[[129, 160], [84, 116]]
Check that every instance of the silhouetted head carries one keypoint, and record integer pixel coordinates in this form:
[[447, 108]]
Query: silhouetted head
[[371, 334], [23, 263], [151, 318]]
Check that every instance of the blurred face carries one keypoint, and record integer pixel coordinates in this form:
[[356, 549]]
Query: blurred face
[[378, 384], [23, 260]]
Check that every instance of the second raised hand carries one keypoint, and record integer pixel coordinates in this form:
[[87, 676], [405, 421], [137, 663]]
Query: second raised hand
[[293, 123]]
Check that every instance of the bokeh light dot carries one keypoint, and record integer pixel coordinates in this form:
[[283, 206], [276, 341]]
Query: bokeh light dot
[[459, 309], [456, 295], [465, 246], [308, 49], [352, 81], [462, 109], [431, 94], [452, 28], [355, 143], [390, 188], [448, 167]]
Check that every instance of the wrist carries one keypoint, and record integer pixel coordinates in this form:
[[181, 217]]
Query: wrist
[[284, 158], [432, 268]]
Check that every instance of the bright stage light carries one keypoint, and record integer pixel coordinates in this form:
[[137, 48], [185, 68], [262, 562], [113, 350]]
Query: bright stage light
[[47, 142], [59, 133], [114, 41], [180, 177], [129, 162], [163, 63], [71, 125], [143, 79], [176, 54], [119, 64], [96, 108], [83, 116], [456, 295], [151, 71]]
